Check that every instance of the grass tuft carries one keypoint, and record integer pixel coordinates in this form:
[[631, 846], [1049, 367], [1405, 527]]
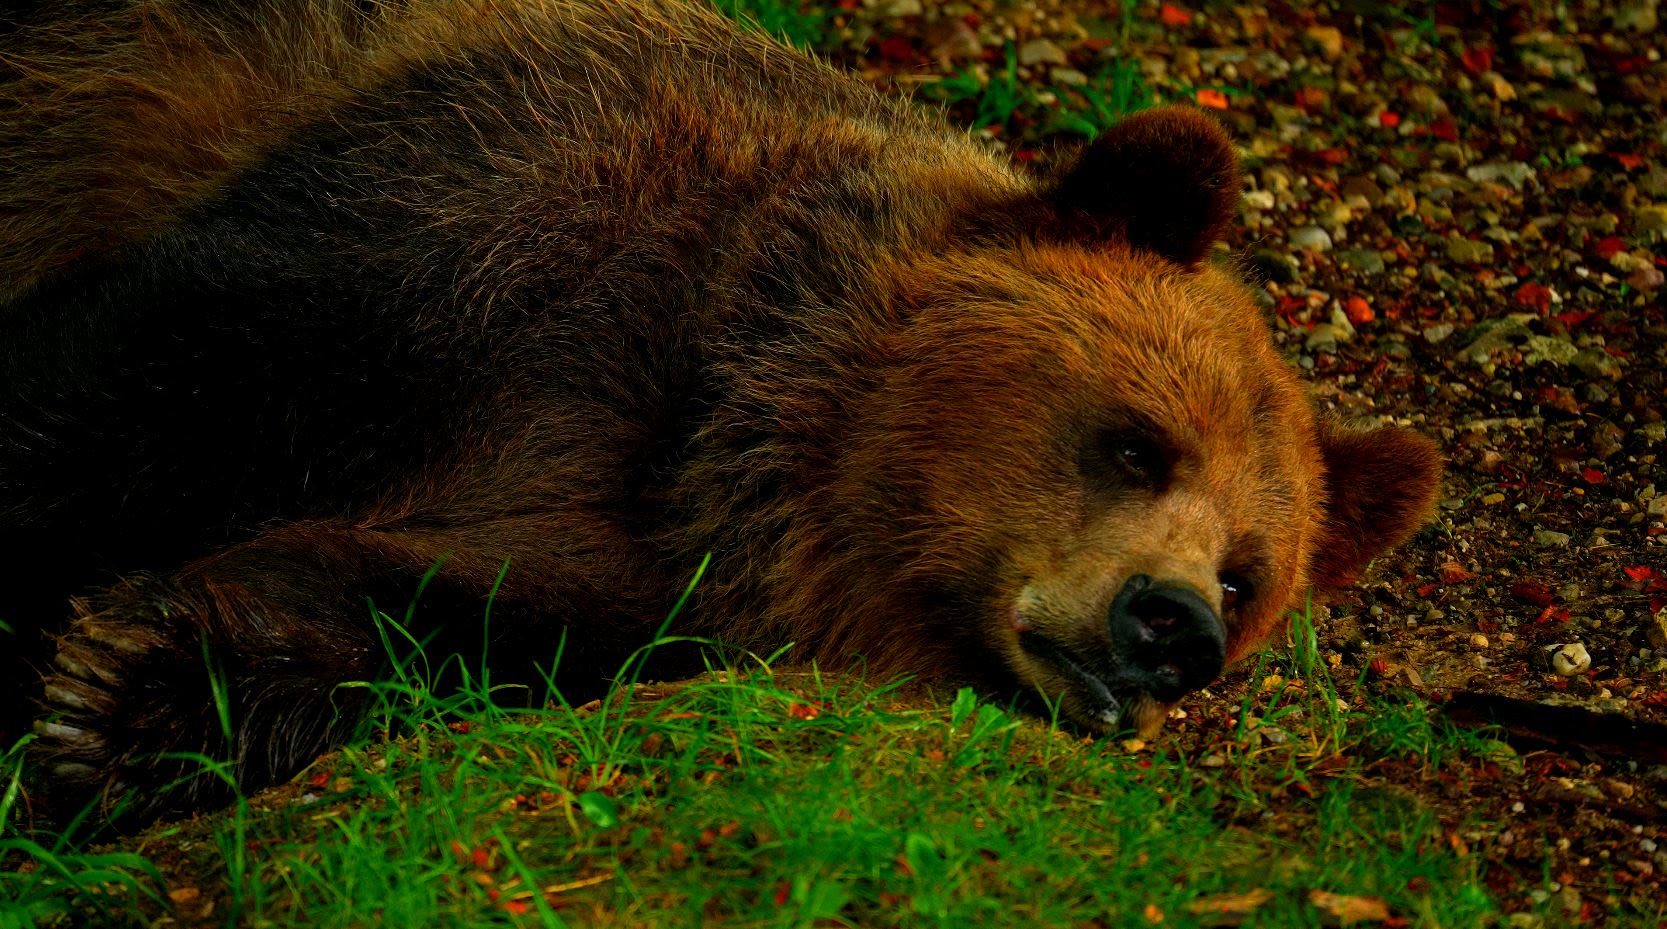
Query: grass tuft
[[762, 797]]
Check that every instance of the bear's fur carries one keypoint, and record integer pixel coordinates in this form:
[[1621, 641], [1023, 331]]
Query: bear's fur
[[305, 297]]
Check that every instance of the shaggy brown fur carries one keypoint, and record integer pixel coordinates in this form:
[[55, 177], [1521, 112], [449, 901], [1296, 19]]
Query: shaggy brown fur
[[307, 296]]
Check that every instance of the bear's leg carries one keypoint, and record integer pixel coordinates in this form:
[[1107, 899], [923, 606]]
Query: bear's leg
[[238, 657]]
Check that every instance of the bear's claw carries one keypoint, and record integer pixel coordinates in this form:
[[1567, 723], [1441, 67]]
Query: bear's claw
[[124, 695]]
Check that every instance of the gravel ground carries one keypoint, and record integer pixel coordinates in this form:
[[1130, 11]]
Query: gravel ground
[[1456, 217]]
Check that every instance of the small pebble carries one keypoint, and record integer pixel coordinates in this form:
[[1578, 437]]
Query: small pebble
[[1655, 629], [1311, 237], [1041, 51], [1570, 659], [1546, 538], [1469, 251], [1364, 260]]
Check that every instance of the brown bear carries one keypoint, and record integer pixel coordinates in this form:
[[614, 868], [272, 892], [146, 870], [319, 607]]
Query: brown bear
[[308, 300]]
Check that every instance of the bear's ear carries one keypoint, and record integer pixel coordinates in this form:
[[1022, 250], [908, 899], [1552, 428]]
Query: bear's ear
[[1165, 179], [1381, 486]]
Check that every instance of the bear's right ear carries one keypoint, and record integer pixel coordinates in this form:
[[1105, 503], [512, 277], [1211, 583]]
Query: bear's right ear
[[1380, 488], [1164, 179]]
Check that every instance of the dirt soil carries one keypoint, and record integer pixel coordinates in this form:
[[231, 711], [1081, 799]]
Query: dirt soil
[[1456, 215]]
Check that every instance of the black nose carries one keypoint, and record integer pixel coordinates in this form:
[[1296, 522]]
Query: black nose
[[1166, 634]]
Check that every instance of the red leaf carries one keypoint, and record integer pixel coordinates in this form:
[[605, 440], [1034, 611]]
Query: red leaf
[[1427, 589], [1537, 296], [1533, 592], [782, 893], [1573, 318], [1639, 572], [1444, 129], [1629, 162], [1310, 97], [1359, 310], [1290, 309], [1389, 119], [1332, 156], [1211, 98], [1477, 60], [897, 48], [1551, 614], [1608, 246], [1174, 16], [1592, 475], [1454, 573]]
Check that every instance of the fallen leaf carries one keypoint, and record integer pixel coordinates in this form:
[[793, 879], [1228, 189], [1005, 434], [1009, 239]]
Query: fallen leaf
[[1537, 296], [1551, 614], [1359, 311], [1210, 97], [1609, 246], [1310, 97], [897, 48], [1174, 16], [1346, 910], [1477, 60], [1454, 573], [184, 894], [1534, 592], [1229, 909]]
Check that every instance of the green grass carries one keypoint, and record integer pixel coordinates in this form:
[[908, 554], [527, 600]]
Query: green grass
[[1117, 89], [758, 798], [797, 24]]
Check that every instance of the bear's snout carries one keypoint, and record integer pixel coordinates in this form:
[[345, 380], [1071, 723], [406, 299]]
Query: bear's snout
[[1171, 640]]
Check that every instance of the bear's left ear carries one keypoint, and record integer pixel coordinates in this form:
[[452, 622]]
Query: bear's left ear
[[1381, 486], [1164, 179]]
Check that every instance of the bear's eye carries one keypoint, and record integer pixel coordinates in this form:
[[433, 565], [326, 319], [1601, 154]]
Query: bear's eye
[[1122, 457], [1137, 459], [1236, 591]]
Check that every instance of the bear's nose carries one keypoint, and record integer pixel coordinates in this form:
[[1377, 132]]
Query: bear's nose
[[1167, 635]]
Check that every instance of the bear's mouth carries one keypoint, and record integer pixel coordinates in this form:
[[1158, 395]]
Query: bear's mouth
[[1103, 704]]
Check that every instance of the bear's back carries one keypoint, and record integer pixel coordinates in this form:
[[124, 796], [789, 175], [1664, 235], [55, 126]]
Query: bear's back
[[118, 118]]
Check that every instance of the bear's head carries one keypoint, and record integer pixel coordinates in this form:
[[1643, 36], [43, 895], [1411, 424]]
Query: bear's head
[[1101, 471]]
